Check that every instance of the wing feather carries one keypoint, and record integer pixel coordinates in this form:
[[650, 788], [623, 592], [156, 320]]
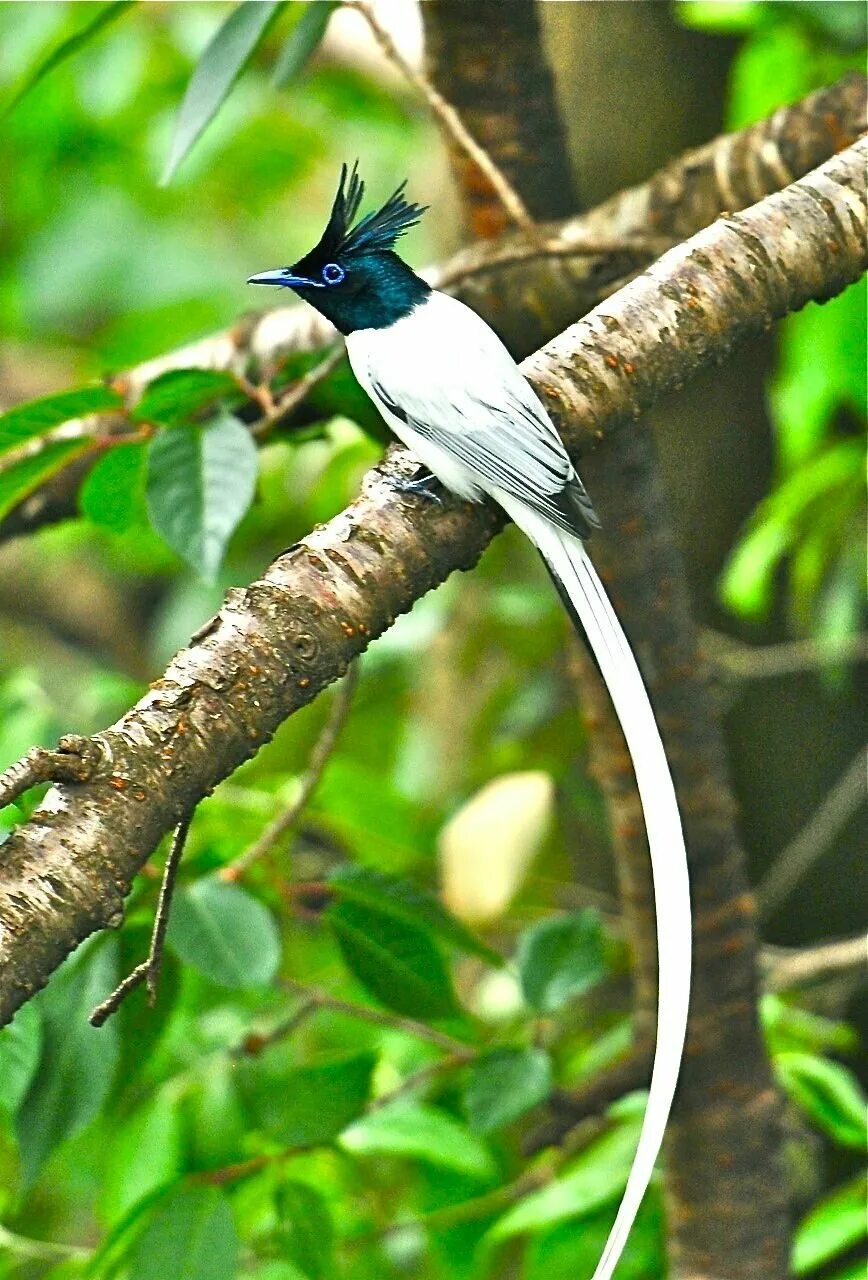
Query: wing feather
[[486, 416]]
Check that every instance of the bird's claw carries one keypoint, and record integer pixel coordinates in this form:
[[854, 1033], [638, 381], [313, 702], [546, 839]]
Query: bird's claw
[[421, 486]]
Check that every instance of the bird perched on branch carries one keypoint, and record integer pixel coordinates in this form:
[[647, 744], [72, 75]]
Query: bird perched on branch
[[449, 389]]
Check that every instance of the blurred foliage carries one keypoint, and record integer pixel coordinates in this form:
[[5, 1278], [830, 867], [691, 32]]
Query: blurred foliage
[[805, 541], [340, 1072]]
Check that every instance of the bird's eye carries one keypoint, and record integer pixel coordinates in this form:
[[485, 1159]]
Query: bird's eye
[[332, 273]]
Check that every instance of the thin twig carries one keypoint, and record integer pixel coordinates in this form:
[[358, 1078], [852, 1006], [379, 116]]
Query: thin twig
[[590, 1099], [255, 1042], [813, 840], [785, 968], [25, 1247], [422, 1077], [497, 259], [467, 1210], [164, 905], [286, 404], [285, 823], [450, 120], [380, 1017], [749, 662], [149, 970]]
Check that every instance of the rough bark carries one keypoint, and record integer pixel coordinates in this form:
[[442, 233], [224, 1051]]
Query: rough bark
[[274, 645], [529, 296], [504, 90]]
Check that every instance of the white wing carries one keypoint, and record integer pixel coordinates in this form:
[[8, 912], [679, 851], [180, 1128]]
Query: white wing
[[443, 376]]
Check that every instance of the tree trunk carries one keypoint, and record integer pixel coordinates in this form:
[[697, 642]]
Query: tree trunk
[[723, 1151]]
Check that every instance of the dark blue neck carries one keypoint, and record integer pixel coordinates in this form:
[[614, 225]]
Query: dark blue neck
[[378, 290]]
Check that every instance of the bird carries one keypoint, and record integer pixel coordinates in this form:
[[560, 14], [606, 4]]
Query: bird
[[450, 391]]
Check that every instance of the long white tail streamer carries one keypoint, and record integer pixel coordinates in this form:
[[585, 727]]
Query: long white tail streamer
[[570, 566]]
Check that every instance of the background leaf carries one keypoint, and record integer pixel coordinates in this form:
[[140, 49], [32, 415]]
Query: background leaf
[[20, 480], [828, 1093], [837, 1223], [397, 961], [420, 1132], [596, 1178], [504, 1084], [95, 23], [308, 1105], [113, 495], [407, 901], [146, 1154], [222, 931], [304, 39], [201, 480], [307, 1231], [20, 1050], [77, 1062], [561, 958], [176, 395], [216, 72], [191, 1234], [34, 418]]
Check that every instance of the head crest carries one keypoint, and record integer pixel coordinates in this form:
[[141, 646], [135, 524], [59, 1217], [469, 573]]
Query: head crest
[[376, 231]]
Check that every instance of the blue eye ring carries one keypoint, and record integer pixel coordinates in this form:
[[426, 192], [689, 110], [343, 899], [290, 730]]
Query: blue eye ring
[[333, 273]]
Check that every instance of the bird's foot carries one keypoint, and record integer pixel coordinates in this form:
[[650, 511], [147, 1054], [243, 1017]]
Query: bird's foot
[[423, 485]]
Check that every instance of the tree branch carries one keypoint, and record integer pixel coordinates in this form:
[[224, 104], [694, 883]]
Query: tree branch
[[531, 291], [794, 861], [277, 643]]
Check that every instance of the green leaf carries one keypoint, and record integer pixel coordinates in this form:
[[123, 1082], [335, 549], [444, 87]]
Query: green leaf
[[222, 931], [837, 1223], [307, 1230], [309, 1105], [111, 1256], [561, 958], [216, 72], [828, 1093], [407, 901], [200, 483], [280, 1271], [735, 17], [394, 959], [113, 495], [96, 23], [175, 396], [34, 418], [20, 1048], [21, 479], [191, 1234], [420, 1132], [303, 40], [146, 1153], [786, 1027], [77, 1063], [504, 1084], [596, 1179], [573, 1249]]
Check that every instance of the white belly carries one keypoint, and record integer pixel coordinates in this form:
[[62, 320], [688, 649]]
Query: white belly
[[451, 472]]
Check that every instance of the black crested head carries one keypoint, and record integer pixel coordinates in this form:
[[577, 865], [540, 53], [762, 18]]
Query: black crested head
[[353, 275]]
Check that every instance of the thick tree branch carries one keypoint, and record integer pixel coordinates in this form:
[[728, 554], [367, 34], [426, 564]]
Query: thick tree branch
[[276, 644], [531, 291]]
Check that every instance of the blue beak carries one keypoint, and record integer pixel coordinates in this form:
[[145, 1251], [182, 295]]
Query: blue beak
[[281, 276]]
